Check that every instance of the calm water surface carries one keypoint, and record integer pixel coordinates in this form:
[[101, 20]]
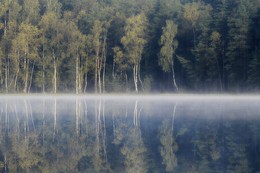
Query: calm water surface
[[131, 134]]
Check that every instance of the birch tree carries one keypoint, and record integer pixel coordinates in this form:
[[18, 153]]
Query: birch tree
[[134, 42], [168, 45]]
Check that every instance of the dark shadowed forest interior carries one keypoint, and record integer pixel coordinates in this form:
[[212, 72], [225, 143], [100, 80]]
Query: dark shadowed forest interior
[[61, 46]]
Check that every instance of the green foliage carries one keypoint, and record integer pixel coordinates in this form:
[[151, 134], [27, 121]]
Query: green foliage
[[134, 39], [168, 46], [254, 71], [71, 45]]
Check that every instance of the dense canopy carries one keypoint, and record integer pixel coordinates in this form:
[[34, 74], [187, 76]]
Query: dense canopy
[[60, 46]]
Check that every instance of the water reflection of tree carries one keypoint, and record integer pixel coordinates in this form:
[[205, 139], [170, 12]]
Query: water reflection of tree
[[168, 146], [44, 144], [236, 141], [128, 137], [83, 134]]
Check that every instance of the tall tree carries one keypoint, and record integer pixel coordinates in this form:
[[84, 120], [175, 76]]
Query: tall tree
[[168, 45], [237, 51], [134, 42], [28, 43]]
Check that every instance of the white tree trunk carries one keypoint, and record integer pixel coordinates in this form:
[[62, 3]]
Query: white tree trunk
[[77, 75], [6, 75], [135, 78], [17, 71], [29, 88], [173, 79], [26, 75], [54, 74]]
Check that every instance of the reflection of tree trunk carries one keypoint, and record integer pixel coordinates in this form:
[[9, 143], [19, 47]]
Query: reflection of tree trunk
[[113, 120], [18, 122], [136, 113], [173, 115], [43, 120], [55, 118], [5, 163], [6, 118], [168, 146], [97, 119], [27, 128], [104, 132], [77, 116], [86, 115], [31, 114], [97, 142]]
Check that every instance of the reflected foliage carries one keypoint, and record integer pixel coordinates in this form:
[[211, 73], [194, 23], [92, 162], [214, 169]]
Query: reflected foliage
[[133, 136]]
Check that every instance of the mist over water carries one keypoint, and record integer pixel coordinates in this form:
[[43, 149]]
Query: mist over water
[[130, 133]]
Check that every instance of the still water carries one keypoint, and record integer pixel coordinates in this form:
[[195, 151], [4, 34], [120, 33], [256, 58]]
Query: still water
[[130, 134]]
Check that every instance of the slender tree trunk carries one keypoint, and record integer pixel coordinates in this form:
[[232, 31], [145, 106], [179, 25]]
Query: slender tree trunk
[[54, 74], [135, 78], [77, 75], [6, 75], [139, 76], [173, 78], [126, 82], [96, 70], [104, 74], [26, 64], [17, 71], [104, 60], [113, 70], [219, 75], [86, 82], [80, 75], [43, 70], [31, 78], [99, 76], [1, 65]]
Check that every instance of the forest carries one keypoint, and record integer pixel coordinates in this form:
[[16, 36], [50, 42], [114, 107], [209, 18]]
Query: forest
[[102, 46]]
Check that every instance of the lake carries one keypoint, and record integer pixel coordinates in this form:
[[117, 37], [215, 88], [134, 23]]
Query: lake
[[131, 134]]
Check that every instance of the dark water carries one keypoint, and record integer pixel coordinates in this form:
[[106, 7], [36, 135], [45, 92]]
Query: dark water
[[153, 134]]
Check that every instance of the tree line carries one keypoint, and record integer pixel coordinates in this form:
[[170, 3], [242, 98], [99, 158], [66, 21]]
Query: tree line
[[127, 45]]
